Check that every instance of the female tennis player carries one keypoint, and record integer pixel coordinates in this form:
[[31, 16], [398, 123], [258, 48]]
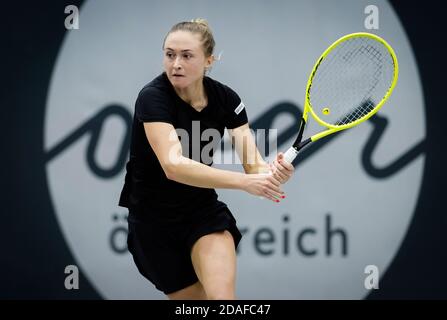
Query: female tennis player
[[182, 238]]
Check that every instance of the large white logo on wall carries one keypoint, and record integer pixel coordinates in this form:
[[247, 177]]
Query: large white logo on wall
[[337, 217]]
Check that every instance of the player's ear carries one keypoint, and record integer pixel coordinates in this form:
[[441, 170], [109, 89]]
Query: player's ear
[[210, 60], [209, 64]]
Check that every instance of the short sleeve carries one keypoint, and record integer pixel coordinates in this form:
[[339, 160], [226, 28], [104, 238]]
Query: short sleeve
[[236, 113], [152, 105]]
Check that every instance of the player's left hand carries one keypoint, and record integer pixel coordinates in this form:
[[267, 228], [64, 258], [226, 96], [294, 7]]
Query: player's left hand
[[281, 170]]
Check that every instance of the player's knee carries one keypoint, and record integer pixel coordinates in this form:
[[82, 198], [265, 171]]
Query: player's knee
[[220, 293], [193, 292], [221, 296]]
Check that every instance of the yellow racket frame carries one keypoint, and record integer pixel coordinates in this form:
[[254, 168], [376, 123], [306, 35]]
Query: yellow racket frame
[[334, 128]]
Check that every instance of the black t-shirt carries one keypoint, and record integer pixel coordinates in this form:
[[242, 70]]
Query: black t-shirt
[[146, 188]]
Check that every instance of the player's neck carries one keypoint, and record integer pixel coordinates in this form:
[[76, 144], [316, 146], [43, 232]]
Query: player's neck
[[194, 95]]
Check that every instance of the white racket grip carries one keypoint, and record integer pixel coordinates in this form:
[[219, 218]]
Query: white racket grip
[[290, 155]]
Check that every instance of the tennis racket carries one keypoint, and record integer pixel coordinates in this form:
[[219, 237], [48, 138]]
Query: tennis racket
[[349, 83]]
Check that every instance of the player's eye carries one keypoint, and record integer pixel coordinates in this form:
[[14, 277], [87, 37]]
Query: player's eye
[[187, 56], [170, 55]]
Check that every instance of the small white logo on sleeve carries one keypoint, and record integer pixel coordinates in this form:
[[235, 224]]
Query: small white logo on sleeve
[[239, 108]]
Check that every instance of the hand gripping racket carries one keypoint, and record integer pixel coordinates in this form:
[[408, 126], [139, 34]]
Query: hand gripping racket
[[349, 83]]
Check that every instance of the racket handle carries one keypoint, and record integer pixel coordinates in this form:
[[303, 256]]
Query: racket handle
[[290, 154]]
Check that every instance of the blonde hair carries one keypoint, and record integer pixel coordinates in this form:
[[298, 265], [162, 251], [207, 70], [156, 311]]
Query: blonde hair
[[199, 26]]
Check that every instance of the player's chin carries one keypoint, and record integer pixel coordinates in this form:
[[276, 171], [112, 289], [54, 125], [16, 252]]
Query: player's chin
[[179, 82]]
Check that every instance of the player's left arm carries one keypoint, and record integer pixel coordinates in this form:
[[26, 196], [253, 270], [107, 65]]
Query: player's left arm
[[247, 150], [251, 158]]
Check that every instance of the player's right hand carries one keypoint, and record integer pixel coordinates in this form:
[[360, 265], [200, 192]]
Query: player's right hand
[[263, 185]]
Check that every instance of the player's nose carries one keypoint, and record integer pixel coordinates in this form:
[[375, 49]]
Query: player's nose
[[177, 64]]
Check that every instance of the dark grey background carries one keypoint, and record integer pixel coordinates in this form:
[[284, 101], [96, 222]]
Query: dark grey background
[[33, 252]]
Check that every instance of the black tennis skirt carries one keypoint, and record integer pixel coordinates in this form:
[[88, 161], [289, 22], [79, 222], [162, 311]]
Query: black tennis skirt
[[161, 248]]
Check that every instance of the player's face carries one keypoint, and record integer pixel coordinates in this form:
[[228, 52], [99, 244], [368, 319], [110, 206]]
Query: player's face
[[184, 59]]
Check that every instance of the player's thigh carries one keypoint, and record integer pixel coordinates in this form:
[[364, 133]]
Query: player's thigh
[[214, 259]]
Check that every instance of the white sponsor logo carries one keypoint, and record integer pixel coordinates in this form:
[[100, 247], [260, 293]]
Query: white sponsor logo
[[239, 108]]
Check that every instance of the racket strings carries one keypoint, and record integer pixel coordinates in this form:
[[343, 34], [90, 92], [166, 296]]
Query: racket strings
[[365, 108], [351, 80]]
